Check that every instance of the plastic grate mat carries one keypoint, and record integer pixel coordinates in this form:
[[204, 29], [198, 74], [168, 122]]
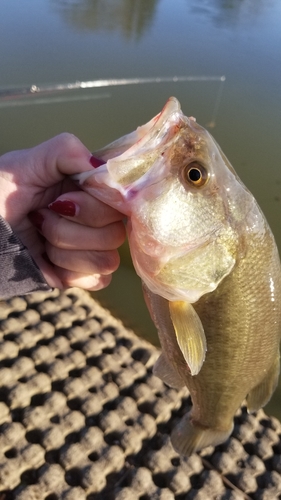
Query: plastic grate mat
[[82, 417]]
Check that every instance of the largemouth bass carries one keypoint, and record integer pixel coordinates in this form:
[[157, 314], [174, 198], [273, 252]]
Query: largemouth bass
[[209, 265]]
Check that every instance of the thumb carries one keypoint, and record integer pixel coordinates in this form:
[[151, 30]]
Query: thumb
[[62, 155]]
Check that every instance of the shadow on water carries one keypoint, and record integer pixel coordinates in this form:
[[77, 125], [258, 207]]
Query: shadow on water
[[229, 13], [131, 19]]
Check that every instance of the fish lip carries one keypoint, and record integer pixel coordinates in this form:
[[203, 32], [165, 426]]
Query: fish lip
[[154, 135], [171, 107], [142, 135]]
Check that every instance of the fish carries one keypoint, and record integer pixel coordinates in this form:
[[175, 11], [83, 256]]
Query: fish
[[209, 266]]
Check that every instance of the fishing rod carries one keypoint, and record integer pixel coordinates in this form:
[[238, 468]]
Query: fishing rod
[[7, 94]]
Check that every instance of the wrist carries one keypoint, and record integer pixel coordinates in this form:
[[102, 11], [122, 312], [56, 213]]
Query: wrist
[[12, 188], [7, 189]]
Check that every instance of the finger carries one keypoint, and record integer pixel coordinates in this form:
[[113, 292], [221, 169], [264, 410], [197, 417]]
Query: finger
[[66, 234], [84, 262], [85, 209], [92, 282], [62, 155], [58, 277]]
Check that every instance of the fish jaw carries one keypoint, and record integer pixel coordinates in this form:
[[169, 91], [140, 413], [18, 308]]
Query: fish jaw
[[147, 135], [133, 161]]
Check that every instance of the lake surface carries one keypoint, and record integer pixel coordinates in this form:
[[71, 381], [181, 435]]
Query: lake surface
[[228, 51]]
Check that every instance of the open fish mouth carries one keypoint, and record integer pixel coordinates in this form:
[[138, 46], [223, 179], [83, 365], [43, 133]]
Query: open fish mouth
[[153, 131], [135, 160], [141, 152]]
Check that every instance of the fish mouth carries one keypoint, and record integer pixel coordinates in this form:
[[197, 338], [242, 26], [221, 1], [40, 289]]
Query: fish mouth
[[135, 161], [152, 131], [158, 126]]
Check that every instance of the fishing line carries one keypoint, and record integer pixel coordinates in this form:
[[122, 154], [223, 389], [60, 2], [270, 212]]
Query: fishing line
[[8, 94], [212, 123]]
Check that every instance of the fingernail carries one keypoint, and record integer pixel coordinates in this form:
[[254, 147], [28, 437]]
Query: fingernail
[[63, 207], [96, 162], [36, 219]]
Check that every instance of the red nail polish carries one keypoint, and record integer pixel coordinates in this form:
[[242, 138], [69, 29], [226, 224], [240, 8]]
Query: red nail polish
[[36, 219], [63, 207], [96, 162]]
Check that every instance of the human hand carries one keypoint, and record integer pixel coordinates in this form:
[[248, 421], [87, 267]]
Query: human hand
[[74, 241]]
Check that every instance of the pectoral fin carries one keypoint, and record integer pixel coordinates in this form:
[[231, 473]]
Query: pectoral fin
[[164, 370], [190, 334], [261, 394]]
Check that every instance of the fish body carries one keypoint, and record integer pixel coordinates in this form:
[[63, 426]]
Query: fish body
[[209, 265]]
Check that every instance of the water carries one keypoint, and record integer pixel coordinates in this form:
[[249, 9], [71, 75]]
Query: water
[[52, 42]]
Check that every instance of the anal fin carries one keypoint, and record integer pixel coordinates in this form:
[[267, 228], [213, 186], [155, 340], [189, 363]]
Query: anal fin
[[165, 371], [261, 394]]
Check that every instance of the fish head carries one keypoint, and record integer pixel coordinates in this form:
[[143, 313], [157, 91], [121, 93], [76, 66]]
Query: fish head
[[183, 200]]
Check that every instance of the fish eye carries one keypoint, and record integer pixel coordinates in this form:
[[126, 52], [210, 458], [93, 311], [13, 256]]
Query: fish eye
[[195, 174]]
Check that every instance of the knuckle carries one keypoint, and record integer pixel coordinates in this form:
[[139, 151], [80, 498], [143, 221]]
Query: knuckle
[[55, 233], [101, 283], [70, 143], [52, 254], [65, 138], [116, 234], [107, 261], [114, 261], [92, 282]]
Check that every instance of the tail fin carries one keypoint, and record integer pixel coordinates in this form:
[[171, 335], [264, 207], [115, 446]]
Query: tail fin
[[188, 437]]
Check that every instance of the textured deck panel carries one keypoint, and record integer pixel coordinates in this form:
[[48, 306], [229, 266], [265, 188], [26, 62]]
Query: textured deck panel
[[82, 417]]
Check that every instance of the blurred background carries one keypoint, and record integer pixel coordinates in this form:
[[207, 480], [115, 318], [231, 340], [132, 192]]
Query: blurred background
[[220, 58]]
